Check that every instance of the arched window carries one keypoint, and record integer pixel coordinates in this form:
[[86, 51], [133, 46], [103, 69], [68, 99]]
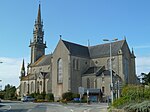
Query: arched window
[[77, 64], [24, 88], [88, 83], [95, 81], [38, 87], [74, 63], [59, 71], [32, 87], [103, 89], [112, 63]]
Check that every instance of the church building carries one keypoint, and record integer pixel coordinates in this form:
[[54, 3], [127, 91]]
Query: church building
[[72, 65]]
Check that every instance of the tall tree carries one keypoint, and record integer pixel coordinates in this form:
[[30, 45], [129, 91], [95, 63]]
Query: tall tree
[[9, 92], [145, 78]]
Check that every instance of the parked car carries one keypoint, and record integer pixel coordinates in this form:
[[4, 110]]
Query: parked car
[[27, 99]]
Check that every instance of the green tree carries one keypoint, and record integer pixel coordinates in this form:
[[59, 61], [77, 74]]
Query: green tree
[[145, 78], [133, 94], [10, 92]]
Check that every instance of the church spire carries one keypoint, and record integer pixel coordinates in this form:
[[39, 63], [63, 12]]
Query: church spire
[[23, 69], [39, 15], [37, 45]]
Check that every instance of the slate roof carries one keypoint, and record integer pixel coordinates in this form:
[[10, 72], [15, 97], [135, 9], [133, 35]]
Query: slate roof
[[76, 49], [92, 90], [32, 76], [44, 60], [107, 73], [94, 70], [91, 70], [102, 50]]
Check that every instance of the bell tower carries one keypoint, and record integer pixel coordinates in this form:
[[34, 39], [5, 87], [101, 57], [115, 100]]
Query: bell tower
[[37, 45]]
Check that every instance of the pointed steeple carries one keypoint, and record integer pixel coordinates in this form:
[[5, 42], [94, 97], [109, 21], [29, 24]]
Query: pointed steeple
[[23, 69], [132, 54], [132, 51], [37, 45], [39, 14]]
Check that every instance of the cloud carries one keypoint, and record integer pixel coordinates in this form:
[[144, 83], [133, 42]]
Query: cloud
[[10, 71], [143, 64]]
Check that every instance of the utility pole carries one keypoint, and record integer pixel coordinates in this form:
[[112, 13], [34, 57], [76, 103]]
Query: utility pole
[[110, 58]]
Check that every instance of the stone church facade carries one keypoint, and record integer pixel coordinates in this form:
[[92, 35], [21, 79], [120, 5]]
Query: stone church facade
[[72, 65]]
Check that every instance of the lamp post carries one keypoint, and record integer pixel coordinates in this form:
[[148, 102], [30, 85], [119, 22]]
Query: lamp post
[[110, 51]]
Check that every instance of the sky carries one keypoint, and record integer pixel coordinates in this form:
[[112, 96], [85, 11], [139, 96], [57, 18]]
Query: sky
[[77, 21]]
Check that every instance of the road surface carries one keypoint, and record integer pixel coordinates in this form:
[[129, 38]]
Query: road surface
[[11, 106]]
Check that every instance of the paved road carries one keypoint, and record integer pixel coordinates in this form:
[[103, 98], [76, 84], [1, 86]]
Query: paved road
[[50, 107]]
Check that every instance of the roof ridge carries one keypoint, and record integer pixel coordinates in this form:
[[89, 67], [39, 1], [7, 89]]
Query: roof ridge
[[75, 43], [105, 43]]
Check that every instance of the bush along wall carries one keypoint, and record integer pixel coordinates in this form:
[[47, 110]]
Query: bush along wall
[[41, 97], [134, 99]]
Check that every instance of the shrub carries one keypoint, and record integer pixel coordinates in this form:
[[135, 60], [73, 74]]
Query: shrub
[[140, 107], [75, 95], [68, 96], [49, 97], [34, 95], [39, 96], [121, 102], [2, 95], [134, 98]]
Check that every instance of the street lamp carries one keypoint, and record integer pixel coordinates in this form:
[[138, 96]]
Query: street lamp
[[110, 41]]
